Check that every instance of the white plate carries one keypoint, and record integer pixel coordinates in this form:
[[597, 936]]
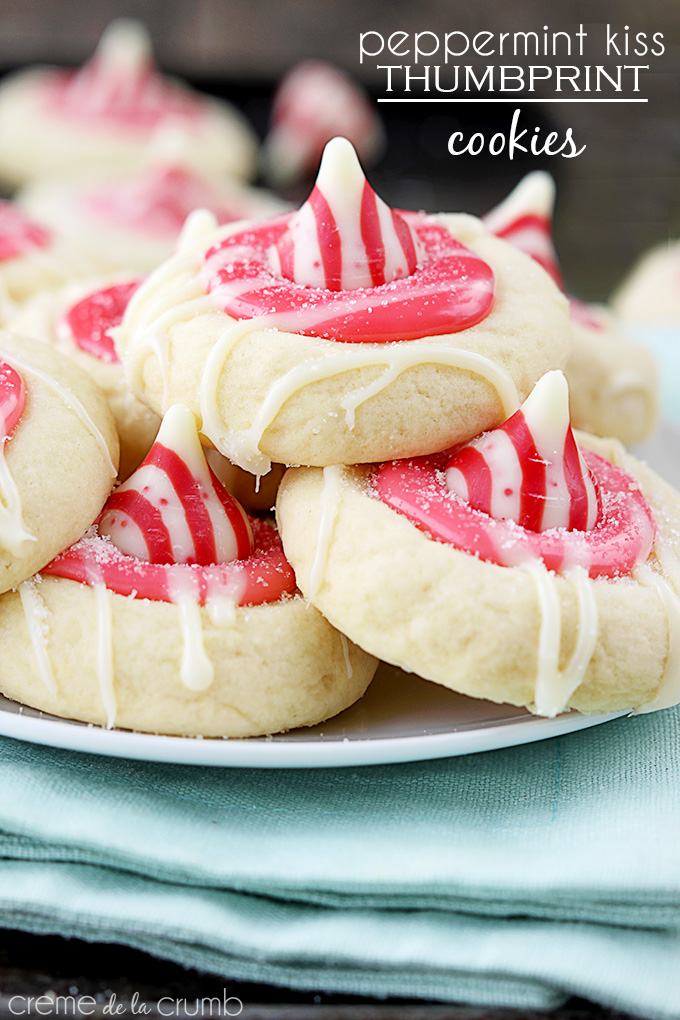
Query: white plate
[[400, 718]]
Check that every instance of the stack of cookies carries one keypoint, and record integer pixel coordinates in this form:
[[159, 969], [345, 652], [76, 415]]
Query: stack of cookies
[[401, 386]]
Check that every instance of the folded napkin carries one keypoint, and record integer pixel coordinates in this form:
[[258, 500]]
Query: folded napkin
[[517, 877]]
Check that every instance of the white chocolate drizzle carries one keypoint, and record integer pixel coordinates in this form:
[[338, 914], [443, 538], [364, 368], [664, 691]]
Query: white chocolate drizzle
[[196, 670], [69, 398], [345, 651], [14, 537], [553, 686], [35, 614], [329, 505], [174, 293], [243, 448]]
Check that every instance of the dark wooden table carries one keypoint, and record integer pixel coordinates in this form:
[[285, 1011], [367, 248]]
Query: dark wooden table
[[41, 965]]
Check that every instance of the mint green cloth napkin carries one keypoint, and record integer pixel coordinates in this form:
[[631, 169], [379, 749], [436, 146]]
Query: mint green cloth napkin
[[516, 877]]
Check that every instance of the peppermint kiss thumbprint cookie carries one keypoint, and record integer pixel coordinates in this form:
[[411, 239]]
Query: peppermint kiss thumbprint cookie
[[613, 387], [519, 567], [81, 320], [58, 455], [176, 614], [32, 259], [104, 114], [131, 222], [344, 332]]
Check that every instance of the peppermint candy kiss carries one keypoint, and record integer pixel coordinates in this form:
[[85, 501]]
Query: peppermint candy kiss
[[530, 470], [315, 102], [120, 82], [524, 219], [344, 237], [173, 509]]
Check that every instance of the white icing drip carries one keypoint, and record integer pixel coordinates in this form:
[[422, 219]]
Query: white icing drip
[[588, 628], [35, 614], [13, 534], [345, 651], [330, 502], [547, 667], [198, 223], [104, 654], [554, 687], [243, 447], [669, 689], [212, 425], [154, 331], [221, 605], [181, 296], [68, 398], [196, 670]]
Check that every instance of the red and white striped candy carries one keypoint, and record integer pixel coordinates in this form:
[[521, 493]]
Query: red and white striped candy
[[530, 470], [315, 102], [524, 219], [12, 400], [173, 509], [344, 237], [120, 82]]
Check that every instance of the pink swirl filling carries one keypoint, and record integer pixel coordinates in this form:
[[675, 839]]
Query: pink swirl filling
[[622, 537], [17, 234], [99, 95], [265, 576], [158, 202], [452, 290], [120, 84], [12, 400], [347, 267], [173, 529], [88, 323]]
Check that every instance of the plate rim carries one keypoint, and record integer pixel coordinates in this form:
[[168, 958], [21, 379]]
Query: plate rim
[[277, 752]]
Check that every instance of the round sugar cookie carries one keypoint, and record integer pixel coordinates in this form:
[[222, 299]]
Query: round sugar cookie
[[344, 335], [176, 613], [104, 114], [424, 579], [277, 666], [80, 320], [131, 221], [58, 458], [650, 294], [32, 259], [613, 381]]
